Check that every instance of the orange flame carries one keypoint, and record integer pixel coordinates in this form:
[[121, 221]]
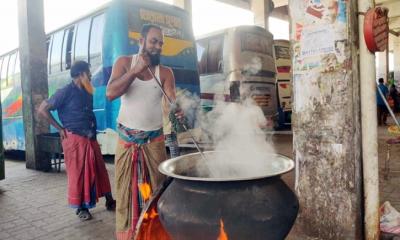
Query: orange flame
[[222, 233], [145, 191], [150, 215], [153, 213]]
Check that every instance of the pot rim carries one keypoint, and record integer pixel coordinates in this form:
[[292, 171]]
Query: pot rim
[[166, 169]]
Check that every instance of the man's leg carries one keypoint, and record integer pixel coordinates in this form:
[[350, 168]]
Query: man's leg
[[83, 214], [123, 192], [155, 153], [385, 113], [102, 179], [379, 113], [73, 165], [74, 152]]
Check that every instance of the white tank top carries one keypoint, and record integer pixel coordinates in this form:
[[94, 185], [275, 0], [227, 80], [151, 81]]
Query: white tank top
[[141, 104]]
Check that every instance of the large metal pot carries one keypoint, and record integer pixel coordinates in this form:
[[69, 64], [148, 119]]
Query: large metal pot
[[243, 200]]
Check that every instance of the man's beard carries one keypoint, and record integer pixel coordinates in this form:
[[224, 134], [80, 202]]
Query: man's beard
[[154, 59]]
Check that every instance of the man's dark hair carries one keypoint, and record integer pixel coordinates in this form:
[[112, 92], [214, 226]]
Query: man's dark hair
[[381, 80], [79, 67], [146, 28]]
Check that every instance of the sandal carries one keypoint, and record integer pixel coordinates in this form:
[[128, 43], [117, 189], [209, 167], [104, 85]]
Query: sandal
[[84, 214], [111, 204]]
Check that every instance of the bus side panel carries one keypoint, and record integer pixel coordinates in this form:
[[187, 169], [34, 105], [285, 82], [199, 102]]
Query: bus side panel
[[283, 80], [283, 65], [187, 80], [178, 51], [123, 23], [2, 167], [115, 37], [13, 127], [115, 44], [13, 134]]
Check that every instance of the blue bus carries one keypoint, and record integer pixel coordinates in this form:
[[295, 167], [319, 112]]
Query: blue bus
[[100, 38]]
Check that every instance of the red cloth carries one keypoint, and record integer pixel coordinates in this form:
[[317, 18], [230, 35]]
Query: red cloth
[[86, 171]]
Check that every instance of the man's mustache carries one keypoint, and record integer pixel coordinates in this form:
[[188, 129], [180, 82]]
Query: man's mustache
[[153, 52]]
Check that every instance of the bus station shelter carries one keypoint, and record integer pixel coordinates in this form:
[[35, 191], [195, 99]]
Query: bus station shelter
[[335, 138]]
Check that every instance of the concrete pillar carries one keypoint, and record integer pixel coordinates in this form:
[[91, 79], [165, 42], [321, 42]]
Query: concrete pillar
[[326, 119], [33, 55], [2, 167], [396, 56], [261, 10], [383, 67], [185, 4]]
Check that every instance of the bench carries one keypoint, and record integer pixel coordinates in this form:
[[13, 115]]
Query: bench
[[50, 144]]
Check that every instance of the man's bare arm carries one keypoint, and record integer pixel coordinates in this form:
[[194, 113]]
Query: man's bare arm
[[44, 111], [121, 79]]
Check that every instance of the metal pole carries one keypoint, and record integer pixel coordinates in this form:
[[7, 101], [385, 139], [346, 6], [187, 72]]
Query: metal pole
[[171, 103], [387, 63], [369, 131]]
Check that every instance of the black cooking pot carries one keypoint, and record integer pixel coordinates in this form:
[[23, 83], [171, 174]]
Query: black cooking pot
[[213, 196]]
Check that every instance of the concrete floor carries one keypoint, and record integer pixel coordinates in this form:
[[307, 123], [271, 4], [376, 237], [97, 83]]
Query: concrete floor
[[33, 204]]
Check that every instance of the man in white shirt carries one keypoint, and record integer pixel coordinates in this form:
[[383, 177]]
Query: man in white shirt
[[141, 146]]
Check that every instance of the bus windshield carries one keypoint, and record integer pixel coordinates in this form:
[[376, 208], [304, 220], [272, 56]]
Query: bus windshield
[[254, 42]]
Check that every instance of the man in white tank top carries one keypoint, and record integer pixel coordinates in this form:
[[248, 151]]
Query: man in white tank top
[[141, 147]]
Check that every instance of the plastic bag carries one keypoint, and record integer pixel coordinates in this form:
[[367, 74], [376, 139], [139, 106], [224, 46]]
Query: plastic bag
[[390, 219]]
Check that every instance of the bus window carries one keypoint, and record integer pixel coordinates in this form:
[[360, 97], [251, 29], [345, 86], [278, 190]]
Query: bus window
[[82, 40], [256, 43], [282, 52], [3, 75], [11, 70], [202, 56], [96, 41], [214, 55], [48, 44], [1, 63], [67, 48], [17, 72], [56, 48]]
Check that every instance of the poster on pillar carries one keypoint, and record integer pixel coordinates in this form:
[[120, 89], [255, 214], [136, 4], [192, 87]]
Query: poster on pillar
[[376, 29], [316, 41], [319, 35]]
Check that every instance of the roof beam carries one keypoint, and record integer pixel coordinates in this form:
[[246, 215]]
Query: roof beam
[[280, 3], [246, 3], [378, 2], [238, 3], [393, 6]]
